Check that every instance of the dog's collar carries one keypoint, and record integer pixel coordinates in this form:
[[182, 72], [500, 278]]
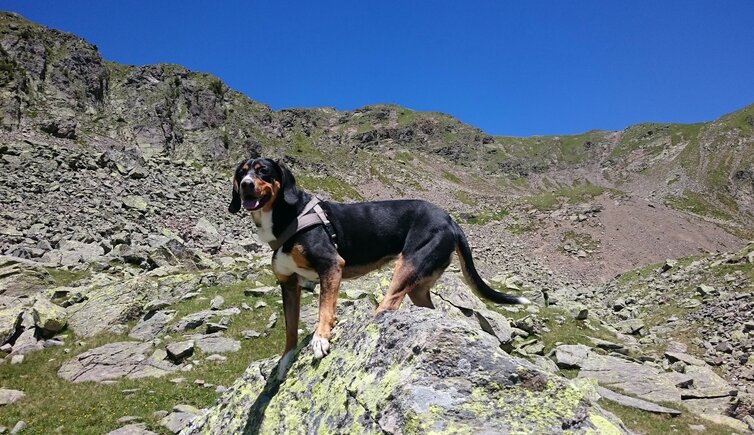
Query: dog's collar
[[304, 220]]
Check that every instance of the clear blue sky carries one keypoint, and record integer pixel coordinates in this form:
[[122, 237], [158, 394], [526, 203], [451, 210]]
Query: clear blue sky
[[511, 68]]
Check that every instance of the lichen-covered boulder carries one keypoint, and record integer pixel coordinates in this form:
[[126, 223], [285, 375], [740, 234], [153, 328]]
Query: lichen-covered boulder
[[109, 304], [414, 370], [9, 322], [49, 317]]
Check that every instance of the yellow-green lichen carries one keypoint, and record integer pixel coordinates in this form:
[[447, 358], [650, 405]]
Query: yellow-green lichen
[[603, 425]]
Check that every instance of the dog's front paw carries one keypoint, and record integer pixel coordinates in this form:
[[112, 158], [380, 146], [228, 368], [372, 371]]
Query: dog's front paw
[[320, 346]]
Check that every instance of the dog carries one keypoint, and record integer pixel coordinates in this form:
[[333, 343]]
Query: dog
[[346, 241]]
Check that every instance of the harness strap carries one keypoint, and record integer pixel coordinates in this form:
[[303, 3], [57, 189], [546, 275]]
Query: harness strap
[[304, 220]]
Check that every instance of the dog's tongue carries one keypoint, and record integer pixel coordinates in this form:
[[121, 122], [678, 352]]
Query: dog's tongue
[[251, 204]]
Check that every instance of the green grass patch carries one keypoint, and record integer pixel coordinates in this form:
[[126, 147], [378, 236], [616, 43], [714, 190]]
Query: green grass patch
[[698, 204], [450, 177], [565, 329], [544, 201], [660, 424], [404, 156], [303, 146], [488, 216], [64, 277], [90, 408], [465, 197], [336, 188], [406, 117], [578, 193]]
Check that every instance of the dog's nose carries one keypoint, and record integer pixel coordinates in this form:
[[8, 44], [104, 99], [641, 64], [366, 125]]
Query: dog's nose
[[246, 183]]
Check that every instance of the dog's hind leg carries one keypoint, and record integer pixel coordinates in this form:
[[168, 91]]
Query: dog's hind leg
[[329, 284], [420, 294], [291, 307], [404, 279]]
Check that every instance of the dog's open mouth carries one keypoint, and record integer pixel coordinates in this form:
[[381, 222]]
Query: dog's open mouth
[[252, 204]]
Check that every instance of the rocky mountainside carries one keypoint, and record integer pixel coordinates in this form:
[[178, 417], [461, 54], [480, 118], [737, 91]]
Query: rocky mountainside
[[132, 302]]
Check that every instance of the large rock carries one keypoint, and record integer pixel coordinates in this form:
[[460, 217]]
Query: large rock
[[50, 318], [108, 305], [132, 429], [87, 251], [640, 380], [216, 343], [10, 319], [8, 397], [413, 369], [151, 325], [114, 361], [197, 319]]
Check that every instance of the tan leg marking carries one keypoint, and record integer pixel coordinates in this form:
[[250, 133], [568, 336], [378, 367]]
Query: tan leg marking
[[402, 283], [420, 295], [329, 283], [291, 308], [298, 255]]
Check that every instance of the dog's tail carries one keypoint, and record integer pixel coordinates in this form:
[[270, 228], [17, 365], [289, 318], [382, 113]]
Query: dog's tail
[[472, 278]]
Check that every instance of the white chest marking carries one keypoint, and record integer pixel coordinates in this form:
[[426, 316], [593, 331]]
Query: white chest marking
[[264, 228], [283, 264]]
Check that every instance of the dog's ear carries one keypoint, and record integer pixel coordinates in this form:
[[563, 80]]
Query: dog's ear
[[235, 198], [287, 184]]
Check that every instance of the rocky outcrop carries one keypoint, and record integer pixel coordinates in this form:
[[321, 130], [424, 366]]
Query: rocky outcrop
[[115, 361], [414, 369]]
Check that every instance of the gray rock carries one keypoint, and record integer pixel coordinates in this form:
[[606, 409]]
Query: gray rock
[[579, 312], [49, 317], [216, 358], [17, 359], [8, 396], [19, 427], [569, 356], [26, 343], [135, 202], [181, 416], [635, 403], [86, 251], [262, 291], [216, 303], [10, 320], [216, 343], [195, 320], [156, 305], [249, 334], [639, 380], [207, 234], [411, 365], [271, 321], [108, 305], [114, 361], [630, 326], [132, 429], [496, 324], [684, 358], [180, 351], [707, 384], [151, 325], [216, 327], [704, 289]]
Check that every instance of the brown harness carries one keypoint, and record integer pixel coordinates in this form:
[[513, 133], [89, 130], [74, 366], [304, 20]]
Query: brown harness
[[305, 220]]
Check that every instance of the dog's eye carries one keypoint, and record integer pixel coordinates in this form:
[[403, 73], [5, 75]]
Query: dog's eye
[[263, 170]]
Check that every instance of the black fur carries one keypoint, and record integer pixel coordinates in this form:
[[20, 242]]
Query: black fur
[[372, 233]]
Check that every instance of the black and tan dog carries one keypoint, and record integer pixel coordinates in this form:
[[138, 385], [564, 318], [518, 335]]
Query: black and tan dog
[[357, 239]]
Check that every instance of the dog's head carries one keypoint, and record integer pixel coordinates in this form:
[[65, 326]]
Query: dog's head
[[258, 183]]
